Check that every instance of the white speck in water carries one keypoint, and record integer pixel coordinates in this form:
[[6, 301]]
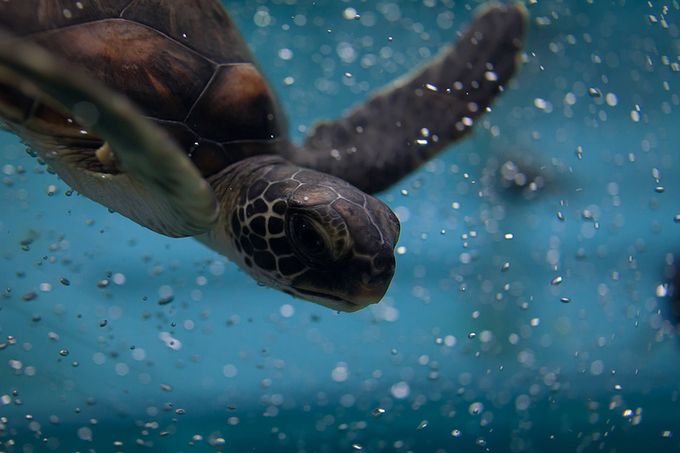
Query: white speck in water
[[565, 300], [667, 434], [456, 433], [597, 367], [377, 412], [476, 408], [287, 310], [170, 341], [229, 370], [285, 54], [662, 290], [340, 373], [349, 13], [556, 281], [508, 236], [63, 352], [491, 76], [422, 425], [85, 433], [400, 390]]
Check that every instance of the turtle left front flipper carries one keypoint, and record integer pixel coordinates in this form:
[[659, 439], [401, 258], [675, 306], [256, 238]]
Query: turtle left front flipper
[[158, 187], [410, 121]]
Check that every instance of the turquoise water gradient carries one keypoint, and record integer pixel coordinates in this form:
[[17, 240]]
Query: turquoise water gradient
[[478, 346]]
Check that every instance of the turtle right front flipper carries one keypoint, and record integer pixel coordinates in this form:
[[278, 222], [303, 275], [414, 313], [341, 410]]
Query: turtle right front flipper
[[410, 121], [158, 187]]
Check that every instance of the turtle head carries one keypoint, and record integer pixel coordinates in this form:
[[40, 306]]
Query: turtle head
[[311, 235]]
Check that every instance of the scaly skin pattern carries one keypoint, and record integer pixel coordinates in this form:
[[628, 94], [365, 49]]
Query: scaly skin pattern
[[305, 233]]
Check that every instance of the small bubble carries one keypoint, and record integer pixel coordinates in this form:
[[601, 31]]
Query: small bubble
[[667, 434], [476, 408], [579, 152], [102, 283], [659, 189], [377, 412], [29, 296], [662, 290], [472, 335], [357, 447], [676, 219], [65, 281], [505, 267], [556, 281], [63, 352], [565, 300], [456, 433], [422, 425], [594, 93]]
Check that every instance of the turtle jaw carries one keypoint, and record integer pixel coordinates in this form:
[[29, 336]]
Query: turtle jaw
[[358, 302], [339, 293], [327, 300]]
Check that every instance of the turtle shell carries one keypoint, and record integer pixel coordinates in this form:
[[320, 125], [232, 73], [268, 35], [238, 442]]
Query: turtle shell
[[183, 63]]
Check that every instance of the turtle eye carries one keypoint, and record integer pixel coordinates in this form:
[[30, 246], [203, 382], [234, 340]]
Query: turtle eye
[[308, 239]]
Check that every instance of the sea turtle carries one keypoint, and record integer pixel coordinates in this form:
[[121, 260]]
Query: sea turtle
[[156, 109]]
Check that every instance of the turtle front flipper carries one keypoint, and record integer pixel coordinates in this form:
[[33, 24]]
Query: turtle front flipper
[[412, 120], [155, 183]]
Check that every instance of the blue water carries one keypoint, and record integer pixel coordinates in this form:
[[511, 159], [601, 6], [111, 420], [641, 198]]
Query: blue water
[[518, 320]]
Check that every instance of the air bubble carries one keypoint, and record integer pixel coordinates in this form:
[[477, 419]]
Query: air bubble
[[556, 280]]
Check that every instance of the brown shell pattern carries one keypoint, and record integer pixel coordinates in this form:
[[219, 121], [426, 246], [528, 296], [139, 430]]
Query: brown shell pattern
[[183, 63]]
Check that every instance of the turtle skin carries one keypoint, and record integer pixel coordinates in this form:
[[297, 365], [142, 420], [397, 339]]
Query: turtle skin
[[184, 64]]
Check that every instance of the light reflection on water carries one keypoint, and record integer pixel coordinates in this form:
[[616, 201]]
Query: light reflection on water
[[518, 320]]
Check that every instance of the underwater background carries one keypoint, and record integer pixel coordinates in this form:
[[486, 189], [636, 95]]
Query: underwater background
[[533, 307]]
